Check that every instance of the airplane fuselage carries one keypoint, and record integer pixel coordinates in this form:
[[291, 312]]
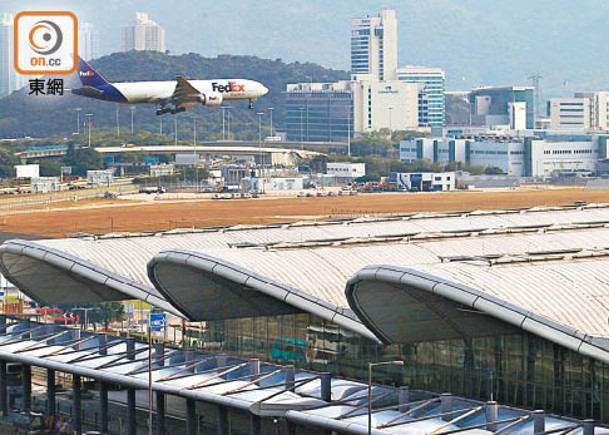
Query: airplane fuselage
[[171, 96], [161, 91]]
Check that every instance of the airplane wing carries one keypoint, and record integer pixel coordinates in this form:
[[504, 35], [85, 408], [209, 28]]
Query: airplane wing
[[185, 95]]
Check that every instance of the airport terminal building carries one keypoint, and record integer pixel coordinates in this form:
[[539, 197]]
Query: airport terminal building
[[507, 305]]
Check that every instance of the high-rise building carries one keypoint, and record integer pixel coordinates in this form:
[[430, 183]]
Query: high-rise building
[[88, 41], [10, 81], [145, 35], [374, 46], [319, 111], [431, 100]]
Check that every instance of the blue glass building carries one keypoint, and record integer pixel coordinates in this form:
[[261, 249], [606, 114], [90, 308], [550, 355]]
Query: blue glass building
[[431, 101]]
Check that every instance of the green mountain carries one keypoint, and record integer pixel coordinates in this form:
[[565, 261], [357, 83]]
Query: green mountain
[[23, 115]]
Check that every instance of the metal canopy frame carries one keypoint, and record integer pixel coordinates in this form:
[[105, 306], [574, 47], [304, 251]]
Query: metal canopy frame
[[14, 253], [395, 280], [248, 286]]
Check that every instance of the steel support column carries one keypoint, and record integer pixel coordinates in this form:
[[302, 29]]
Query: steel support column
[[103, 407], [26, 383], [191, 417], [76, 404], [160, 413], [131, 422], [50, 392], [255, 425], [222, 420], [3, 390]]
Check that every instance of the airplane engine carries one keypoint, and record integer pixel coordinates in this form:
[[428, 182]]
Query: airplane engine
[[211, 99]]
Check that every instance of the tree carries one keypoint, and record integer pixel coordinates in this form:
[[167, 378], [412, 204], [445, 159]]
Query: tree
[[49, 167], [7, 162], [319, 164], [493, 170], [82, 159]]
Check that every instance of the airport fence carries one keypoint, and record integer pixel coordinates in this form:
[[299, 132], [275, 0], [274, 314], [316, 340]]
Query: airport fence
[[29, 203]]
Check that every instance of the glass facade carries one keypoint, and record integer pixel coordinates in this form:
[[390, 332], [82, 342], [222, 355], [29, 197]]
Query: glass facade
[[360, 51], [517, 369], [431, 101], [319, 116]]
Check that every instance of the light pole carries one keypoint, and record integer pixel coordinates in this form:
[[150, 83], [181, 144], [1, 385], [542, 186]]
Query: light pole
[[390, 113], [118, 127], [223, 122], [349, 132], [89, 115], [260, 114], [370, 366], [194, 142], [78, 110], [132, 112], [175, 128], [270, 109], [301, 129], [228, 122]]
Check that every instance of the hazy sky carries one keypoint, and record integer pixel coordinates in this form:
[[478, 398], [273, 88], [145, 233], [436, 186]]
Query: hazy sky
[[477, 42]]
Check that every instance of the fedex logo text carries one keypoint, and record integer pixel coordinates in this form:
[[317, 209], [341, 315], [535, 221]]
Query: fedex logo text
[[230, 87]]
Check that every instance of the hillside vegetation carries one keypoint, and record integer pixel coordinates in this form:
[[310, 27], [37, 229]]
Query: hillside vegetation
[[44, 116]]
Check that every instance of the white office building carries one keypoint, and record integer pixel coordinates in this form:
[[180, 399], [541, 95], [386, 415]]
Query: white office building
[[374, 46], [516, 157], [346, 170], [144, 35], [431, 100], [601, 110], [389, 105], [570, 113], [548, 158], [423, 181], [88, 41], [10, 81]]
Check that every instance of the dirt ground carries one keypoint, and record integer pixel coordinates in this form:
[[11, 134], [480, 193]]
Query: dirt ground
[[157, 215]]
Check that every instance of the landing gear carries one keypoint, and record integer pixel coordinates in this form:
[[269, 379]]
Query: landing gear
[[173, 111], [251, 104]]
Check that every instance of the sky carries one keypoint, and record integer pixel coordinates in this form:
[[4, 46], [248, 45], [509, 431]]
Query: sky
[[477, 42]]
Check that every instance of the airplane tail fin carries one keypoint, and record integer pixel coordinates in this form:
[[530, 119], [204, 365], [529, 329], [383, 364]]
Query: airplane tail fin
[[88, 76]]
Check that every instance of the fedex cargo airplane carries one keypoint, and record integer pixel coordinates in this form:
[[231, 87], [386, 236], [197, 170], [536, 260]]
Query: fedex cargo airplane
[[172, 96]]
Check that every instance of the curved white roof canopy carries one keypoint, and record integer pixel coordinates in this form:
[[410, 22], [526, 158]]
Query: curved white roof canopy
[[50, 277], [210, 288], [401, 305], [317, 259]]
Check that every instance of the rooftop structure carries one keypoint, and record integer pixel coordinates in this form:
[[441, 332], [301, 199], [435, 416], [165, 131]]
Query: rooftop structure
[[447, 287], [222, 389]]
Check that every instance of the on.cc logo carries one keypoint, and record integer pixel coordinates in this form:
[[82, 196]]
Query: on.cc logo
[[45, 37]]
